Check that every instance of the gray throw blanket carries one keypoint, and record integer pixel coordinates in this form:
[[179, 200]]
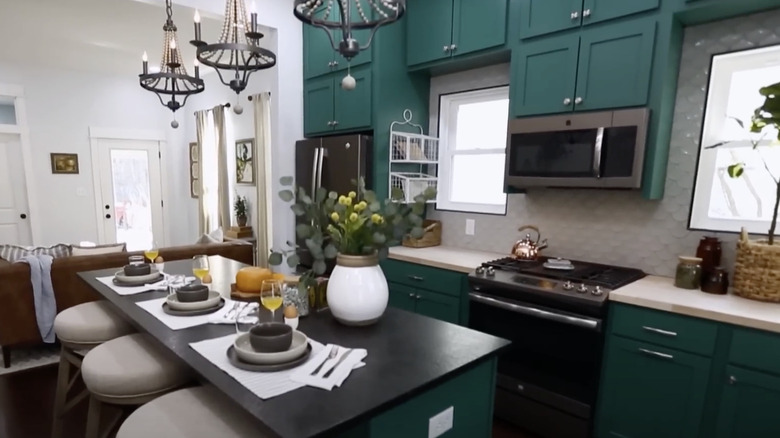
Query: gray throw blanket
[[43, 294]]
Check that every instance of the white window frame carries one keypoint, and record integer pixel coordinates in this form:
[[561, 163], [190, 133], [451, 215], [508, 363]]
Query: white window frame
[[448, 114], [716, 116]]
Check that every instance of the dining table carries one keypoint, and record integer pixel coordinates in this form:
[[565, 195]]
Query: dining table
[[416, 368]]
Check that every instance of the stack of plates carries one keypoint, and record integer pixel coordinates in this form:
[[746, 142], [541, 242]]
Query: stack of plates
[[120, 279], [173, 306], [243, 356]]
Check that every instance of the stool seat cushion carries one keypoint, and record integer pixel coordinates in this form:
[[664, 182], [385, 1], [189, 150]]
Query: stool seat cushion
[[90, 323], [132, 366], [199, 412]]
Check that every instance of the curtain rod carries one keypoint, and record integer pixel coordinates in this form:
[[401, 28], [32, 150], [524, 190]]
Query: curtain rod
[[250, 96], [226, 105]]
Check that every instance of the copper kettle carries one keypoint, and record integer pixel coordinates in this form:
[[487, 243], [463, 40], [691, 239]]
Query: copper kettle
[[527, 248]]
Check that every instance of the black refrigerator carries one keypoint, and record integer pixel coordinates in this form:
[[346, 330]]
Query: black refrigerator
[[332, 163]]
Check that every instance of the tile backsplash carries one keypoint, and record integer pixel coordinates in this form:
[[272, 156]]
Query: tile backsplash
[[620, 227]]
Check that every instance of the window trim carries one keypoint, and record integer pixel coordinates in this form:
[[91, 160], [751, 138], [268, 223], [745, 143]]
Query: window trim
[[446, 153]]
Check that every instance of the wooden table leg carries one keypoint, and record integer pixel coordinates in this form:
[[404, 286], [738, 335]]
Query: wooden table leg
[[7, 357]]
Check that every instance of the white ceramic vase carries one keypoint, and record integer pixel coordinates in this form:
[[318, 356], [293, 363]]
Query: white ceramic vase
[[357, 290]]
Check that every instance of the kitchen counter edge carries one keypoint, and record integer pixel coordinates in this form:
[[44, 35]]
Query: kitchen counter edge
[[444, 257]]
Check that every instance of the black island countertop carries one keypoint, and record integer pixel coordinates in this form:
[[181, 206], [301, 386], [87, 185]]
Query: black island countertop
[[407, 354]]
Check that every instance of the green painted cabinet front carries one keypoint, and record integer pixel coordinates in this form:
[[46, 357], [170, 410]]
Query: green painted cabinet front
[[544, 74], [596, 11], [401, 296], [317, 52], [650, 392], [352, 108], [749, 405], [539, 17], [434, 305], [478, 25], [318, 105], [615, 63], [429, 30]]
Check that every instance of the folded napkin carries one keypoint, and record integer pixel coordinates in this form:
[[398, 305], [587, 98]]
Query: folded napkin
[[341, 368], [231, 310], [167, 281]]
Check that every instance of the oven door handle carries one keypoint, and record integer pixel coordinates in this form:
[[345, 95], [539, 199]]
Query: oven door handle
[[587, 323]]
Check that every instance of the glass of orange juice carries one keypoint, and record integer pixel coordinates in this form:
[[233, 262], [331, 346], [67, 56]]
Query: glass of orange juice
[[200, 266], [152, 252], [271, 295]]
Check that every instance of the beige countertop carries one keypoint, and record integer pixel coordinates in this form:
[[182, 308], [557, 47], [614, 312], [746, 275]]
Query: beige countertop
[[659, 293], [444, 257]]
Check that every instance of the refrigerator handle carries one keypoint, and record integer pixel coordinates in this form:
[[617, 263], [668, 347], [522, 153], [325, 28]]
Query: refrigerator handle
[[314, 168], [320, 159]]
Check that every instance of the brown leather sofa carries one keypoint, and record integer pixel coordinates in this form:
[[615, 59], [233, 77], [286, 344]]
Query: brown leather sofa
[[18, 326]]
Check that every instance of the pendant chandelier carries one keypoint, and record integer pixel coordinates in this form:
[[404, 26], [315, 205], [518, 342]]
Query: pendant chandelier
[[238, 53], [345, 23], [172, 79]]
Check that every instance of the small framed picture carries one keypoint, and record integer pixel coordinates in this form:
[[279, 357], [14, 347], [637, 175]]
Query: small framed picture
[[245, 166], [64, 163], [194, 183]]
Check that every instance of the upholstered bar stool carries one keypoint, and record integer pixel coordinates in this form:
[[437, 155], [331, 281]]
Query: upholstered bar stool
[[130, 370], [198, 412], [81, 328]]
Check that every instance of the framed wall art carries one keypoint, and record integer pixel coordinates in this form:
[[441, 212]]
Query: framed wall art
[[64, 163], [194, 170], [245, 161]]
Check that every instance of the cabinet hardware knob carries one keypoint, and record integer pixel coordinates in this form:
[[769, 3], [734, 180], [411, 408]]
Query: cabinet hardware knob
[[446, 48], [330, 63], [732, 380], [335, 63], [335, 122], [411, 295], [578, 101], [575, 15], [453, 48], [656, 354], [586, 13], [416, 278], [23, 216], [567, 101], [330, 123], [418, 297]]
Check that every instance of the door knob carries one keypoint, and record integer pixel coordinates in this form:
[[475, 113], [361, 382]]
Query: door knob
[[575, 15], [586, 13], [567, 101], [107, 207], [578, 101], [23, 216], [108, 216]]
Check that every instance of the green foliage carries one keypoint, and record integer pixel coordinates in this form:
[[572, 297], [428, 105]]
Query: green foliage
[[240, 206]]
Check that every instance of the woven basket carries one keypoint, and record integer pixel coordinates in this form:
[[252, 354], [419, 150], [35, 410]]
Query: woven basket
[[432, 236], [757, 270]]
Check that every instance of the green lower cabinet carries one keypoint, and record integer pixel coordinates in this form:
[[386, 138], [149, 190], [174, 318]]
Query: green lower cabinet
[[401, 296], [615, 63], [353, 107], [650, 392], [439, 306], [749, 405]]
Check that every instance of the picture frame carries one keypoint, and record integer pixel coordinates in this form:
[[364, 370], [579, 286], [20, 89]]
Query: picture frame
[[63, 163], [245, 161], [194, 170]]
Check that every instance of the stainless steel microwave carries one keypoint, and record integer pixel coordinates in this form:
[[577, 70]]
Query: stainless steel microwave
[[599, 149]]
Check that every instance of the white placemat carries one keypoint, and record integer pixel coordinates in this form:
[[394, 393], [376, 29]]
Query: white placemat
[[182, 322], [263, 385], [134, 290]]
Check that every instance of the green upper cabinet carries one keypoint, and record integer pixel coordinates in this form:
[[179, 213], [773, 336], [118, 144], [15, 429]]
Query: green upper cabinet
[[317, 52], [441, 29], [749, 405], [614, 65], [318, 105], [539, 17], [434, 305], [353, 107], [650, 392], [596, 11], [544, 75]]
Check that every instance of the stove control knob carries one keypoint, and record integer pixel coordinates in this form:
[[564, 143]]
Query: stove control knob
[[568, 285], [480, 270], [597, 291], [490, 272], [582, 288]]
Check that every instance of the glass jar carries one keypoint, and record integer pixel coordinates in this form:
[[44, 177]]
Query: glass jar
[[688, 274]]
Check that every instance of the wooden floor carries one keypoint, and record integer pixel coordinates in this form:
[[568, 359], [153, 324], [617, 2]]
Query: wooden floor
[[27, 399]]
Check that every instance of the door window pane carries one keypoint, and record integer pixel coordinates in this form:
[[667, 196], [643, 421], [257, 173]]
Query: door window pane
[[7, 114], [132, 198]]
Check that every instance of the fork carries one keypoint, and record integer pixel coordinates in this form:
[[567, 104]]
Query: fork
[[235, 307], [334, 351]]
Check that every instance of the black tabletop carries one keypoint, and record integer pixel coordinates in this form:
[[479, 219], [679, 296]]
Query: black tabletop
[[407, 354]]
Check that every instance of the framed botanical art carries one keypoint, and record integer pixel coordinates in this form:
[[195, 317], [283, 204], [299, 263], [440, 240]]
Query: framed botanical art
[[194, 171], [245, 165], [64, 163]]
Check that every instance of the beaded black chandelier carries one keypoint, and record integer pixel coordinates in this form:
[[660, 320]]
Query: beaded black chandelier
[[172, 79], [238, 53]]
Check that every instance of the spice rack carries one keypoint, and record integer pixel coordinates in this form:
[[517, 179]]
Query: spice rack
[[414, 158]]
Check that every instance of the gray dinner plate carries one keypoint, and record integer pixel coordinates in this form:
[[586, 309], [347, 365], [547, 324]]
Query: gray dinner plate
[[142, 282], [238, 363], [167, 309]]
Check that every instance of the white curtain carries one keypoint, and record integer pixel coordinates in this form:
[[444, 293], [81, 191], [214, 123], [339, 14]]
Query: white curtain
[[262, 105], [214, 202]]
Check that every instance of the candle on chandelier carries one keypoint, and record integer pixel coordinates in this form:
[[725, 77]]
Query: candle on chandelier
[[145, 59], [173, 52], [197, 69], [197, 25], [253, 15]]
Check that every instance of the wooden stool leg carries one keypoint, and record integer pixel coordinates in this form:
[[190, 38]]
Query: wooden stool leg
[[93, 418], [60, 397], [7, 357]]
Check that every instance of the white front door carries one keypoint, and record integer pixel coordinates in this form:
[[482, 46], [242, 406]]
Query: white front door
[[131, 192], [14, 216]]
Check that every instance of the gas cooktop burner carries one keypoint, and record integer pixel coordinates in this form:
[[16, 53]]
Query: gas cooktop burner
[[591, 274]]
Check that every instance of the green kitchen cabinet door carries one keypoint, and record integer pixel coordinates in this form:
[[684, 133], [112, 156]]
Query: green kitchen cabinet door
[[748, 405], [317, 51], [318, 105], [544, 73], [596, 11], [478, 25], [353, 107], [441, 307], [539, 17], [402, 296], [428, 30], [615, 65], [650, 392]]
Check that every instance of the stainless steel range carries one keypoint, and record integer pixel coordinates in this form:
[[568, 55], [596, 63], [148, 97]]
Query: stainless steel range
[[554, 312]]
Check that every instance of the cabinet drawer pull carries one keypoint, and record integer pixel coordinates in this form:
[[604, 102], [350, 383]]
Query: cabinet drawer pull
[[656, 354], [411, 295], [416, 278], [732, 380], [659, 331], [418, 297]]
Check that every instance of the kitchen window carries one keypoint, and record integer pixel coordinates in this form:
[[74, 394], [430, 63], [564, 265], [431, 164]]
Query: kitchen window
[[472, 142], [722, 203]]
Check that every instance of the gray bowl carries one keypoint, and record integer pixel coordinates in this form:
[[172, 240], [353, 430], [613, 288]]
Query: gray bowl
[[192, 293], [271, 337], [137, 270]]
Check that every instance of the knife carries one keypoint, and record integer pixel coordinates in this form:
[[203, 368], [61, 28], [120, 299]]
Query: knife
[[341, 359]]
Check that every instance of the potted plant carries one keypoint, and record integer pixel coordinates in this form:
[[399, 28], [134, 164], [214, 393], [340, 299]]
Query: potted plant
[[757, 267], [356, 229], [241, 208]]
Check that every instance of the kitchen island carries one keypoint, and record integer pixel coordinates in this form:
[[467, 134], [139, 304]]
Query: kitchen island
[[417, 368]]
